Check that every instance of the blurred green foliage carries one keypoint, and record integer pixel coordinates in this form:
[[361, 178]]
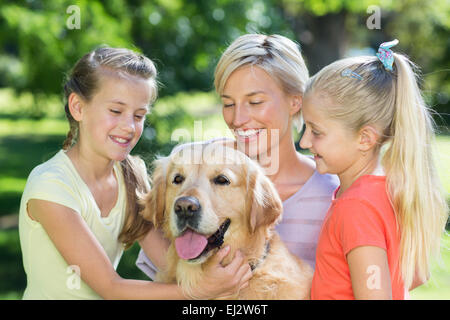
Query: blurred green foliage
[[186, 38]]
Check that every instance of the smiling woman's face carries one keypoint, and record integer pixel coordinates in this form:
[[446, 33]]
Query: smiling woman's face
[[257, 110]]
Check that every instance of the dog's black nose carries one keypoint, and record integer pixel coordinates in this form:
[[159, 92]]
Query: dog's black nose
[[186, 207]]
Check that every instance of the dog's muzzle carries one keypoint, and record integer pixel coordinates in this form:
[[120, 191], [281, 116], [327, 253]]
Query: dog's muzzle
[[192, 245]]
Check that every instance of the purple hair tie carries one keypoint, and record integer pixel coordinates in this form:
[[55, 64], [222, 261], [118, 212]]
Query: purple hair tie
[[385, 55]]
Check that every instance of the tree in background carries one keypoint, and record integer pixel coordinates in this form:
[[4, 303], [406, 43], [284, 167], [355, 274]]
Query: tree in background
[[331, 29], [37, 48], [186, 37]]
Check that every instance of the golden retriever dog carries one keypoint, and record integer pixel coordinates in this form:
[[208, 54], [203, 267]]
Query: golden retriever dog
[[204, 196]]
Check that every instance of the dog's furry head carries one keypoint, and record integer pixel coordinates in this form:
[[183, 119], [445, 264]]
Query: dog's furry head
[[226, 184]]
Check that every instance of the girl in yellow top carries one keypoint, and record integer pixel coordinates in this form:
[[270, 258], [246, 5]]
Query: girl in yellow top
[[79, 209]]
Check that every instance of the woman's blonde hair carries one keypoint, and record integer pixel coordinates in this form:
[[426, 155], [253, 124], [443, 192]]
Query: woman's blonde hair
[[365, 93], [279, 56], [85, 80]]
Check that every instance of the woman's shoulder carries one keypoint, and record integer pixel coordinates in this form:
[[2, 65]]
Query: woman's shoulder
[[326, 181]]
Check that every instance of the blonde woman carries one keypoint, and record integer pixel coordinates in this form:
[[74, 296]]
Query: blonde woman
[[388, 214], [261, 79]]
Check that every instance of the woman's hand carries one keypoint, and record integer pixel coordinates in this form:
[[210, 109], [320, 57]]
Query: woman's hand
[[219, 281]]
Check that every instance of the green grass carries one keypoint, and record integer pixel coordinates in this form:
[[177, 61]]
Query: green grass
[[443, 161], [438, 287], [12, 275]]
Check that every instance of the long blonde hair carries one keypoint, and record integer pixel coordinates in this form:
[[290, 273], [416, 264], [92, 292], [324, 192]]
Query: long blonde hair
[[85, 80], [279, 56], [393, 103]]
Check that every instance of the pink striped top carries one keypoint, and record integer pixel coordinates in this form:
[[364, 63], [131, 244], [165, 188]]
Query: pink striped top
[[303, 214]]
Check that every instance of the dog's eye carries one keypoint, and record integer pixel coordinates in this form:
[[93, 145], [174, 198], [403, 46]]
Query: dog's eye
[[221, 179], [178, 179]]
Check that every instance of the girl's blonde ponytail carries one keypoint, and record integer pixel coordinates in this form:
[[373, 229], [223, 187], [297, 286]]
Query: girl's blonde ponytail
[[412, 179]]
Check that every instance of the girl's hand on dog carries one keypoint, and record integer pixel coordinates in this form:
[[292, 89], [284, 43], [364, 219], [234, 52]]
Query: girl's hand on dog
[[219, 281]]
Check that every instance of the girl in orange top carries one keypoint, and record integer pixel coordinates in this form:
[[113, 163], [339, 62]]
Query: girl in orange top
[[387, 216]]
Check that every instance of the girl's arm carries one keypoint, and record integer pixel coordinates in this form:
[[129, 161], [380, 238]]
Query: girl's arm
[[78, 246], [369, 272]]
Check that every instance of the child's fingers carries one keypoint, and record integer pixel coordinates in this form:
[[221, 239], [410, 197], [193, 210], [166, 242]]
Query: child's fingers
[[243, 286], [220, 255], [245, 272], [245, 279], [236, 263], [248, 273]]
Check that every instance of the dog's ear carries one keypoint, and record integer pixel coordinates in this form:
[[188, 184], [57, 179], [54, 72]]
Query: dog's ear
[[266, 205], [154, 201]]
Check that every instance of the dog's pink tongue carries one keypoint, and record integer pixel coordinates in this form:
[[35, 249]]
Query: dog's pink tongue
[[190, 244]]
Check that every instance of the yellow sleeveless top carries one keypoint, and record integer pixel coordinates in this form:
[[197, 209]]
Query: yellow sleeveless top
[[48, 274]]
